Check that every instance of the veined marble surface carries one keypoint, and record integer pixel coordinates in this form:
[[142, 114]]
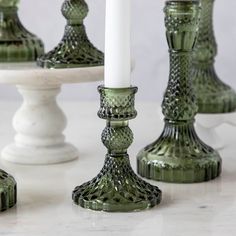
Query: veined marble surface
[[45, 207]]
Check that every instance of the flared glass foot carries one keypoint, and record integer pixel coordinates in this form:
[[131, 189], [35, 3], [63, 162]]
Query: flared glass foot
[[8, 191], [213, 95], [75, 49], [117, 189], [17, 44], [179, 156]]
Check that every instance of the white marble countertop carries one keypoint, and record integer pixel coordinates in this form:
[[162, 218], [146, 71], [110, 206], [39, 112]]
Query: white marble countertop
[[44, 192]]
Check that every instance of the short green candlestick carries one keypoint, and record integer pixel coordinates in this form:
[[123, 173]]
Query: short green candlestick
[[117, 188], [179, 155], [75, 49], [16, 43], [213, 95], [8, 191]]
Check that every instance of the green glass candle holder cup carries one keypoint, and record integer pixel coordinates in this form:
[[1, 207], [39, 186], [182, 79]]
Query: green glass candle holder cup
[[179, 155], [117, 188]]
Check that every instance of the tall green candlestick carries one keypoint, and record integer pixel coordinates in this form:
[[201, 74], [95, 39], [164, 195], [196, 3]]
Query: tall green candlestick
[[213, 95], [179, 155]]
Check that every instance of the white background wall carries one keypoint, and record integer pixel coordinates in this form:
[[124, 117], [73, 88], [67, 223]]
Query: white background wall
[[149, 47]]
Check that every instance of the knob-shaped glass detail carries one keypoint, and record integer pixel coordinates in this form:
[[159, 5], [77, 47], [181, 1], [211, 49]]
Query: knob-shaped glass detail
[[75, 11]]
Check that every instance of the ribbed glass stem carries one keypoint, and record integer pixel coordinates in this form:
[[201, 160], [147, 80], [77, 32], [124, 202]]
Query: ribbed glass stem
[[179, 102], [206, 47], [213, 95], [206, 22]]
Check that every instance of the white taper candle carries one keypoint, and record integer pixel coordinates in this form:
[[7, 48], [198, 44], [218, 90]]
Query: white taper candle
[[117, 45]]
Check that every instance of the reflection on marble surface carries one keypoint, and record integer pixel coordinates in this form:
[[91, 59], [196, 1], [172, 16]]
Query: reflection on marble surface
[[45, 206]]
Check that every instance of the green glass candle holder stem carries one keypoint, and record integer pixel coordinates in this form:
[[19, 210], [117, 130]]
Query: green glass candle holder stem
[[16, 43], [117, 188], [8, 191], [75, 49], [179, 155], [213, 95]]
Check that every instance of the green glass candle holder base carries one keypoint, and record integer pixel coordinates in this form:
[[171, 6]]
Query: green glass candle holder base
[[179, 156], [17, 44], [117, 188], [75, 49], [213, 96], [8, 191]]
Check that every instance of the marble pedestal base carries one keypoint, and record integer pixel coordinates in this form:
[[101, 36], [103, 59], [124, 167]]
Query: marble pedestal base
[[39, 123], [39, 155]]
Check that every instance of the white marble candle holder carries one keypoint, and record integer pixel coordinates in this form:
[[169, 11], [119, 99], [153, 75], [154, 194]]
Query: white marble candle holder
[[39, 123]]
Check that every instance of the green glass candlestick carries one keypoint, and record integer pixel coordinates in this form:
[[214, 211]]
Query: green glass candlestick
[[117, 188], [213, 95], [179, 155], [75, 49], [16, 43], [8, 191]]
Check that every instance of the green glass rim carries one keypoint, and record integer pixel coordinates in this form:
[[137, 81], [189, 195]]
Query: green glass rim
[[185, 6], [182, 2], [118, 90]]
